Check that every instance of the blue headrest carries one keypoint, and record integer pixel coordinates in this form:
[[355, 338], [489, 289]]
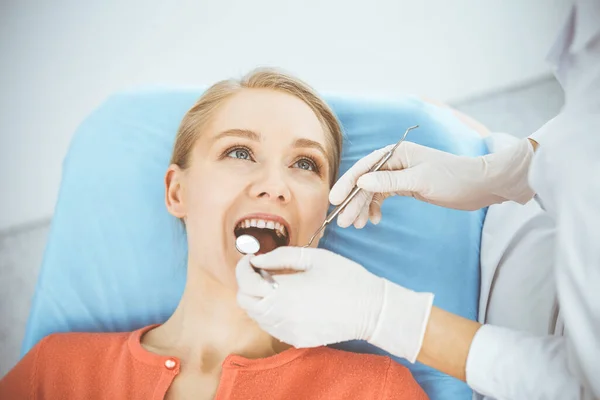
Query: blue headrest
[[116, 260]]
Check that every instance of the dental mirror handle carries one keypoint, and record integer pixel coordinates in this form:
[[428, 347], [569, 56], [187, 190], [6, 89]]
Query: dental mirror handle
[[248, 244], [267, 277]]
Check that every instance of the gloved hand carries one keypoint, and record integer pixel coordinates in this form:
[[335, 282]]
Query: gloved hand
[[330, 300], [437, 177]]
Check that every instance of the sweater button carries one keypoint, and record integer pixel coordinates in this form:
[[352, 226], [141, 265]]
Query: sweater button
[[170, 363]]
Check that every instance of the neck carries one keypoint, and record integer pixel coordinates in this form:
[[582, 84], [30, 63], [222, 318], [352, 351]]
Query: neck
[[208, 325]]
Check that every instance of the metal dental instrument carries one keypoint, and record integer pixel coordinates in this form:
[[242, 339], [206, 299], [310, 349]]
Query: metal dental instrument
[[248, 244], [356, 189]]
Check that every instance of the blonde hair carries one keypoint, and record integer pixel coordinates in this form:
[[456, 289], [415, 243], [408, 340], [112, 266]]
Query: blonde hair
[[200, 113]]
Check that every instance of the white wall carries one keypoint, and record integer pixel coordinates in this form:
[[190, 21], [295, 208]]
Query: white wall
[[59, 59]]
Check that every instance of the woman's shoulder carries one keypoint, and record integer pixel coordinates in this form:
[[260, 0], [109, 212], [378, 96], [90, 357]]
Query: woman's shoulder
[[75, 342], [370, 361], [67, 360], [63, 349], [75, 352], [370, 365], [393, 379]]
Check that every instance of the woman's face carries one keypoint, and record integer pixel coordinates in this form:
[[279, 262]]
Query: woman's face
[[259, 167]]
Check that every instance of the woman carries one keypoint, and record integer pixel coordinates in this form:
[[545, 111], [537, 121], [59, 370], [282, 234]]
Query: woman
[[259, 156]]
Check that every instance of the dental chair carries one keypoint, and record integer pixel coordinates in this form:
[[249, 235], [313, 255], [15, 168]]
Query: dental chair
[[116, 260]]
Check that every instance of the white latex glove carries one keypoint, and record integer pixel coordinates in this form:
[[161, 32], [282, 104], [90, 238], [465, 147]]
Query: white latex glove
[[332, 299], [437, 177]]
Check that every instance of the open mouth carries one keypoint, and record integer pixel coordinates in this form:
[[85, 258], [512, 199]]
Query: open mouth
[[270, 232]]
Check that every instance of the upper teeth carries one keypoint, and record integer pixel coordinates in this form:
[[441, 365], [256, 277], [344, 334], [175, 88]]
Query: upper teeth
[[264, 224]]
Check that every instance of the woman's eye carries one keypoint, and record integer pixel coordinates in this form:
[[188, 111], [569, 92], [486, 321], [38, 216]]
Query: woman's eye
[[306, 164], [242, 154]]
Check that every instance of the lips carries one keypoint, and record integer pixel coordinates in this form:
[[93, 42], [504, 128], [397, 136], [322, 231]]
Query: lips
[[271, 230]]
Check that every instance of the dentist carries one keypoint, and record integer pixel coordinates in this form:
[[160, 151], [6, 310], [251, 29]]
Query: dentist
[[558, 166]]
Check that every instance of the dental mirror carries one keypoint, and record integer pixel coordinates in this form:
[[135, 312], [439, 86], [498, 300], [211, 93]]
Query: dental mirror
[[248, 244]]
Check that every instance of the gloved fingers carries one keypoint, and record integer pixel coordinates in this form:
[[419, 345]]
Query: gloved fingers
[[346, 183], [363, 216], [407, 180], [247, 303], [296, 258], [375, 208], [258, 309], [249, 281], [409, 155], [351, 212]]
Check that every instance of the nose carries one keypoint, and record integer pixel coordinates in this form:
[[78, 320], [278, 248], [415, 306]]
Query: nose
[[272, 186]]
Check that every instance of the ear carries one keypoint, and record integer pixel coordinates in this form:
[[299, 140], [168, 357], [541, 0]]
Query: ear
[[174, 198]]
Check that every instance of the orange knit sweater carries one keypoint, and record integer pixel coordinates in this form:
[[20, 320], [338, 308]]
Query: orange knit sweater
[[116, 366]]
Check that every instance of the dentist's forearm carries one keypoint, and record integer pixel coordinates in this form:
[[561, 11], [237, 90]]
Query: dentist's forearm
[[448, 338], [494, 359], [447, 341]]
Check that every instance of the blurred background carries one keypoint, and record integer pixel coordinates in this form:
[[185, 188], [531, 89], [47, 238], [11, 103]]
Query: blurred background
[[60, 59]]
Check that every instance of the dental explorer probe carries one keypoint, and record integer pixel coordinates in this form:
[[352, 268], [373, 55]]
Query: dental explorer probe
[[356, 189]]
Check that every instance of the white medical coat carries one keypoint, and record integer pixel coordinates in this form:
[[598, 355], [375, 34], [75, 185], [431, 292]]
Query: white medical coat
[[565, 172]]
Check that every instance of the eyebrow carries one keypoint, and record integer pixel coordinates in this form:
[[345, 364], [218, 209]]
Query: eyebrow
[[248, 134], [243, 133], [311, 144]]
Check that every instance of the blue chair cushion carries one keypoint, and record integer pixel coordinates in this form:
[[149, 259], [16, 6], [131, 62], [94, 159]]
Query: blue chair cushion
[[116, 260]]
